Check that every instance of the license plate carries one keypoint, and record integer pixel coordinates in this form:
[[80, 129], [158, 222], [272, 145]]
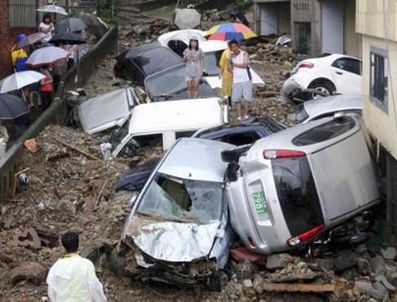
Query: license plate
[[259, 202]]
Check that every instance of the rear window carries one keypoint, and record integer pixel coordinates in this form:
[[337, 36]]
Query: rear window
[[325, 131], [297, 194]]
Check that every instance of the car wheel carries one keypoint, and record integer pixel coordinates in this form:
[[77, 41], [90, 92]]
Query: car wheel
[[324, 88]]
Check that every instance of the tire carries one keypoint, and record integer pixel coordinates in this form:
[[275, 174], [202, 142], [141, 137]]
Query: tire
[[325, 87]]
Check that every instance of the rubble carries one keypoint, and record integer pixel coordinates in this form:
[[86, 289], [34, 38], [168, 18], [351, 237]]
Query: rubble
[[389, 253], [29, 271], [276, 261]]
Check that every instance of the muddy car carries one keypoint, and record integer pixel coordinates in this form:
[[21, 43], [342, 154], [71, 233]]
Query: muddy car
[[178, 230], [290, 187]]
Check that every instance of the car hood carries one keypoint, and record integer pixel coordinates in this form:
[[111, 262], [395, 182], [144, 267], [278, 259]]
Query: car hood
[[173, 241]]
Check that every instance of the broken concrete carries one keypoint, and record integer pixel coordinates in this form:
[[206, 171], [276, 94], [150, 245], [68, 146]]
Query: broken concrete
[[276, 261], [29, 271], [389, 253]]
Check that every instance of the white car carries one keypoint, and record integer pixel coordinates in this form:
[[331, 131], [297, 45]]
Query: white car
[[327, 75], [326, 107], [178, 41]]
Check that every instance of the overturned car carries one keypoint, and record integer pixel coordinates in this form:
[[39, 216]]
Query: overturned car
[[178, 231]]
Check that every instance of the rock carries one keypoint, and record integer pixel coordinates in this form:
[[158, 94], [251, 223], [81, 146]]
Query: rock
[[382, 279], [276, 261], [363, 266], [380, 290], [247, 283], [377, 290], [345, 260], [361, 249], [30, 271], [389, 253], [245, 270], [378, 265], [326, 264], [258, 285]]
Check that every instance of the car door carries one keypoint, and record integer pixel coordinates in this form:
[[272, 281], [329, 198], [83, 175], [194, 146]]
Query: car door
[[346, 73]]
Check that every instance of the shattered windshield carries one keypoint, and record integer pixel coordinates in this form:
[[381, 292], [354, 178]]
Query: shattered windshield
[[182, 200], [167, 82]]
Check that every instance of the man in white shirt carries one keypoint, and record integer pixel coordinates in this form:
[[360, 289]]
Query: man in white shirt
[[73, 278], [242, 80]]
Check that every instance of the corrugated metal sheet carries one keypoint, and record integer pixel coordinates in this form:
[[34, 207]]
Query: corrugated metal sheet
[[22, 13]]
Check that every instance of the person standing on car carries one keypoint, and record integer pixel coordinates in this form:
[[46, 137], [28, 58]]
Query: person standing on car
[[238, 64], [194, 58], [226, 75], [73, 277]]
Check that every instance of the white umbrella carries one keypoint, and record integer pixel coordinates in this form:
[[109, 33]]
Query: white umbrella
[[19, 80], [47, 56], [52, 8]]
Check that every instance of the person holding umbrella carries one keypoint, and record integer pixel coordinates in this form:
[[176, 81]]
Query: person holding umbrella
[[47, 27], [194, 58], [19, 55], [46, 88]]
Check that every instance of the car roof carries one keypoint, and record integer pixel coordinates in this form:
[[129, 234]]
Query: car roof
[[181, 115], [333, 103], [151, 57], [256, 123], [182, 160]]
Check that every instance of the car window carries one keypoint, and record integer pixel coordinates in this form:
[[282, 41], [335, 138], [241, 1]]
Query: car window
[[211, 62], [240, 139], [325, 131], [348, 64]]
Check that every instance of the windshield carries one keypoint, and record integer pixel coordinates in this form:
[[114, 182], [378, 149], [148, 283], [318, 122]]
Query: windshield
[[211, 60], [182, 200], [166, 83]]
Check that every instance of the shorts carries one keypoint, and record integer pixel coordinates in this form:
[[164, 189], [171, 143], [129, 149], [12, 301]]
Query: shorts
[[242, 92], [189, 79]]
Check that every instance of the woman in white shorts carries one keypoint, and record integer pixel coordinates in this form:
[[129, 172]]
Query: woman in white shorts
[[194, 58]]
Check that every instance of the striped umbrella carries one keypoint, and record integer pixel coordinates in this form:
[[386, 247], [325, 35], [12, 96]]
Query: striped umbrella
[[230, 31]]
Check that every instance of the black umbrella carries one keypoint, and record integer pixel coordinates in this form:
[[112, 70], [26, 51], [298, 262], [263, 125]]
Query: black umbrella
[[12, 107], [67, 38]]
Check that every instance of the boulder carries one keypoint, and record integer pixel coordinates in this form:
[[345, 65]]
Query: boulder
[[30, 271], [276, 261]]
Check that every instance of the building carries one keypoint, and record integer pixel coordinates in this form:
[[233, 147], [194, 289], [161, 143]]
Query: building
[[376, 21], [316, 26]]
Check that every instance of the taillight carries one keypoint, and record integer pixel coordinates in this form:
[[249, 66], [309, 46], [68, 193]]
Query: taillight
[[305, 65], [281, 153], [306, 235]]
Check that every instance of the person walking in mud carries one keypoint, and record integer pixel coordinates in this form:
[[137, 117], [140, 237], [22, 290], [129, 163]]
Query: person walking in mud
[[194, 58]]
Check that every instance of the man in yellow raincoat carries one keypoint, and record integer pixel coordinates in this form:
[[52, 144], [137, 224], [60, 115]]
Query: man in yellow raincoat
[[226, 75]]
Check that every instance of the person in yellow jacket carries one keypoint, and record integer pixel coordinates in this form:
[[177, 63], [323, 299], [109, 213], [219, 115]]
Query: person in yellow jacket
[[19, 55], [225, 74]]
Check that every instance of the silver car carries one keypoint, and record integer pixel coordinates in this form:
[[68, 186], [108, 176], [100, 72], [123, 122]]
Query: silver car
[[293, 185], [325, 107], [178, 230]]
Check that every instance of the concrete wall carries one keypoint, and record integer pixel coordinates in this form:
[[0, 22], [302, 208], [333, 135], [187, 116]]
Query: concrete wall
[[332, 26], [272, 17], [351, 39]]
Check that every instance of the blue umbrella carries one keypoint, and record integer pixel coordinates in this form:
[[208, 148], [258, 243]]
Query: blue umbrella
[[12, 107]]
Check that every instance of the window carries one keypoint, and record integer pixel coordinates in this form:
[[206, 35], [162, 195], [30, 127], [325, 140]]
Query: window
[[378, 77], [303, 37], [22, 13], [348, 64], [325, 131]]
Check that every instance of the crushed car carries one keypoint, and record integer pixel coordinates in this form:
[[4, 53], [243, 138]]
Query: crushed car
[[246, 132], [326, 107], [167, 120], [327, 75], [137, 63], [178, 231], [290, 187]]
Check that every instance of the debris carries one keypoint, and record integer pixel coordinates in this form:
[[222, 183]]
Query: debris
[[297, 287], [345, 260], [28, 238], [76, 149], [31, 145], [366, 287], [382, 279], [378, 265], [242, 254], [389, 253], [276, 261], [30, 271]]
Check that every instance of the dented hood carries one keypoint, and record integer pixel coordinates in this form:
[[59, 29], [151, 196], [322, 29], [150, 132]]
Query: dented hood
[[177, 242]]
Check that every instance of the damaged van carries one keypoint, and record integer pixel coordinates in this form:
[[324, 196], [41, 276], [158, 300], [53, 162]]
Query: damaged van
[[178, 230]]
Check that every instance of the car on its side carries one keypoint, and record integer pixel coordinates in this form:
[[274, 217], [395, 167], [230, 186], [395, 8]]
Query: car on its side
[[247, 132], [178, 230], [139, 62], [330, 74], [325, 107], [292, 186]]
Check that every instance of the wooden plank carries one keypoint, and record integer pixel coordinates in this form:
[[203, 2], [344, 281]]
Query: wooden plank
[[298, 287], [90, 156]]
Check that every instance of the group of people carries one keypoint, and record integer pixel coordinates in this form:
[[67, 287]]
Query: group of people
[[234, 70]]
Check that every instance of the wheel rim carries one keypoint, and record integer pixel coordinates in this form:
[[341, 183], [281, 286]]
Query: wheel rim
[[322, 90]]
